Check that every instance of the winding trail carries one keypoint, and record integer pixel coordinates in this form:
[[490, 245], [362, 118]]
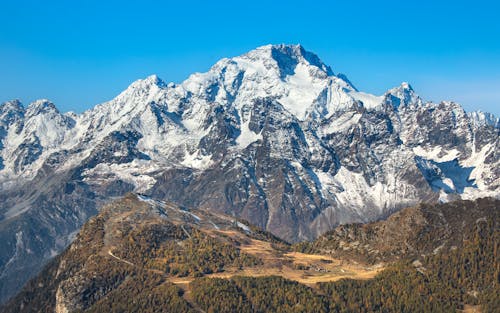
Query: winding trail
[[120, 259]]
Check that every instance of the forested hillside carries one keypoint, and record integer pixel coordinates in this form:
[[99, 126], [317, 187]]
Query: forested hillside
[[143, 255]]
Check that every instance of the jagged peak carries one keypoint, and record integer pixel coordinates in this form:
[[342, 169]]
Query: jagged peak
[[12, 105], [41, 106], [452, 105], [71, 115], [402, 95], [403, 87], [406, 86], [480, 118], [11, 111], [151, 80], [287, 56], [141, 89]]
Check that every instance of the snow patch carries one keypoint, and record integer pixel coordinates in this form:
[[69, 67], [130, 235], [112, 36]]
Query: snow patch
[[147, 200], [303, 89], [369, 101], [354, 192], [436, 154], [247, 136], [244, 227], [196, 217], [343, 122], [16, 210], [326, 182], [481, 169], [197, 161], [139, 173], [17, 252]]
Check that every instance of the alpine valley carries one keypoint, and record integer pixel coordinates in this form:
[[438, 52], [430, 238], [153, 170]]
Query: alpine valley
[[273, 138]]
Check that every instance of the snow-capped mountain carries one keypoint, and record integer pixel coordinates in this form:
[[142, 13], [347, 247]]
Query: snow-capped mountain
[[273, 136]]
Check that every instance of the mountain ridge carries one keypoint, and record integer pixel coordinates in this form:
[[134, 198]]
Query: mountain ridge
[[272, 136]]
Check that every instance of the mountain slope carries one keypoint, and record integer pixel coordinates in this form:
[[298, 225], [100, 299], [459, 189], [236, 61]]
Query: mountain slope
[[140, 254], [414, 232], [273, 136]]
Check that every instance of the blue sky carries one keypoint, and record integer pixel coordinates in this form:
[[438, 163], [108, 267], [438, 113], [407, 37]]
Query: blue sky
[[80, 53]]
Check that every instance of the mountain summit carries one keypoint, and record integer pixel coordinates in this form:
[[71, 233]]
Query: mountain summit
[[272, 136]]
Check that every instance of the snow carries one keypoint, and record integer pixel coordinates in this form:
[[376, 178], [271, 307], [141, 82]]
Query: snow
[[250, 67], [247, 136], [337, 98], [196, 217], [327, 184], [17, 252], [479, 118], [138, 173], [197, 161], [343, 122], [445, 196], [448, 182], [146, 199], [349, 177], [303, 89], [172, 119], [351, 190], [467, 173], [477, 161], [354, 188], [157, 203], [449, 176], [369, 101], [436, 153], [403, 95], [244, 227]]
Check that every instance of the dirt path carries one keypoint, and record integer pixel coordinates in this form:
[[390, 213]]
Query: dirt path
[[120, 259]]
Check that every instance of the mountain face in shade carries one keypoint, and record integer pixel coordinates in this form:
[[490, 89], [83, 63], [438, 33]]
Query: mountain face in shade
[[273, 136]]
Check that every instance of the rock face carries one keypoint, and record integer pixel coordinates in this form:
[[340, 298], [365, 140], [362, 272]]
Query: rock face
[[273, 136]]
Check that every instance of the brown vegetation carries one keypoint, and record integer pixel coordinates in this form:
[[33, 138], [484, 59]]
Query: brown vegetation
[[130, 259]]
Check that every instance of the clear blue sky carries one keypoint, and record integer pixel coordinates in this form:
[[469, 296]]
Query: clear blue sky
[[80, 53]]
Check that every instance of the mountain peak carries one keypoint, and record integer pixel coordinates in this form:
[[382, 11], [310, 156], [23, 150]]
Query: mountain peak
[[406, 86], [41, 106], [151, 80], [403, 95], [480, 118], [287, 57], [12, 105], [141, 90], [10, 111]]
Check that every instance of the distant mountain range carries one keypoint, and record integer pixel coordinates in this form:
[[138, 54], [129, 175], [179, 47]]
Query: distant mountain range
[[273, 136]]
